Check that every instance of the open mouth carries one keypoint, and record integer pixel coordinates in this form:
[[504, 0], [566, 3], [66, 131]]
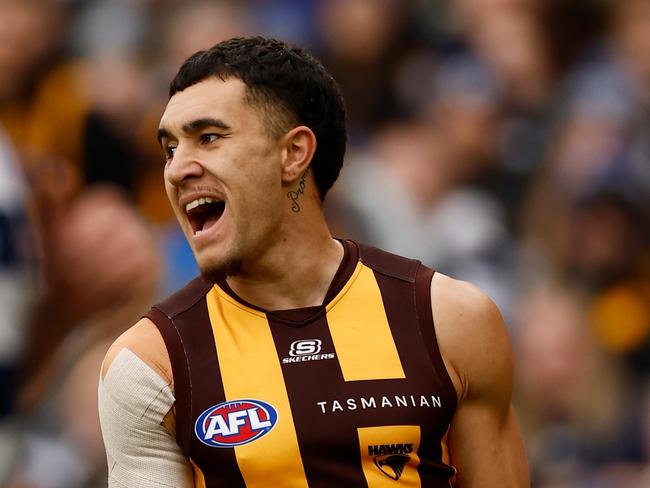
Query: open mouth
[[203, 213]]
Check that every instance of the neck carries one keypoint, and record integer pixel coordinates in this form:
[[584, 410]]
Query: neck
[[295, 272]]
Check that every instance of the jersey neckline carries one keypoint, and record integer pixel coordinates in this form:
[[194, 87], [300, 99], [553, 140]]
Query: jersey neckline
[[303, 315]]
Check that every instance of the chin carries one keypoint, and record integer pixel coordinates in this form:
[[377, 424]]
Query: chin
[[216, 272]]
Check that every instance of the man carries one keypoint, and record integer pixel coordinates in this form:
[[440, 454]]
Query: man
[[297, 359]]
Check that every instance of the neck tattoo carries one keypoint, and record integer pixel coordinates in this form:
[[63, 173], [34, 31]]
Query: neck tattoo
[[294, 195]]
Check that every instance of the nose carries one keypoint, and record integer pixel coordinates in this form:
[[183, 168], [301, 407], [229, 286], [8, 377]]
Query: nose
[[183, 166]]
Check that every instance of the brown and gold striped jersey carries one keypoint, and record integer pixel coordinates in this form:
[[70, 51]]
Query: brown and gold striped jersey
[[350, 393]]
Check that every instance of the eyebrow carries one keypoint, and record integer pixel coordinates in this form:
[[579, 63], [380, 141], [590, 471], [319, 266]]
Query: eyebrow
[[194, 126]]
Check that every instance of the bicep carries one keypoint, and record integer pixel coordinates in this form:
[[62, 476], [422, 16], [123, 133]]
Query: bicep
[[484, 440], [133, 401], [486, 451]]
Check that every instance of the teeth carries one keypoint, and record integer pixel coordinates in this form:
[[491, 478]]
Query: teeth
[[200, 201]]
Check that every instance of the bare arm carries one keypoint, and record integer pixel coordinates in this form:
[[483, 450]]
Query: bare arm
[[484, 441], [136, 412]]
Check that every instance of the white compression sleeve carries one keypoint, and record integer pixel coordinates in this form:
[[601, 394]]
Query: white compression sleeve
[[133, 400]]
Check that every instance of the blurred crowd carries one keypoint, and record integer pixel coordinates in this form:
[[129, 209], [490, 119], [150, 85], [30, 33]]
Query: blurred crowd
[[505, 142]]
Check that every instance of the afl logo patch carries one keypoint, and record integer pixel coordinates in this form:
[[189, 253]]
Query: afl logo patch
[[235, 423]]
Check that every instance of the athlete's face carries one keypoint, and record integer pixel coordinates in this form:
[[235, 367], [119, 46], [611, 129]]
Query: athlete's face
[[222, 174]]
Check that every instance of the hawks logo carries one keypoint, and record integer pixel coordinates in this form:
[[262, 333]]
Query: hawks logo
[[235, 423], [391, 458], [392, 465]]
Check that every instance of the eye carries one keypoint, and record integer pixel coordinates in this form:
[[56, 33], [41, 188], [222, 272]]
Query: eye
[[169, 151], [209, 138]]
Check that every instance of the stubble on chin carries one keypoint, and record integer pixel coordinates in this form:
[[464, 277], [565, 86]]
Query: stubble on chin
[[218, 273]]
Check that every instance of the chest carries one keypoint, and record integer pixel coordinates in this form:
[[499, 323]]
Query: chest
[[329, 398]]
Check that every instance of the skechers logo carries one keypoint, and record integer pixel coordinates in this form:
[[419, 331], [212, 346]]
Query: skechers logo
[[235, 423], [391, 458], [305, 347], [306, 350]]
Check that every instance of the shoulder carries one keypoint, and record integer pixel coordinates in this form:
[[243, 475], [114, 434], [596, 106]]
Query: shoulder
[[144, 339], [388, 263], [472, 338], [185, 298], [145, 342]]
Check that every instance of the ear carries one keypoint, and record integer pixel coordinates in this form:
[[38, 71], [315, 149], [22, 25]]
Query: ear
[[300, 146]]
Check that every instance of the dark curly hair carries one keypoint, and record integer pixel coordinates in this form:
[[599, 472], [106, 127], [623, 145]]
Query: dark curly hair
[[288, 85]]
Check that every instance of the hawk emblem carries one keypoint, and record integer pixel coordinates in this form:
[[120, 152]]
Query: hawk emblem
[[392, 465]]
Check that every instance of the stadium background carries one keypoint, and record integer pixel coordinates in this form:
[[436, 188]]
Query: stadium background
[[505, 142]]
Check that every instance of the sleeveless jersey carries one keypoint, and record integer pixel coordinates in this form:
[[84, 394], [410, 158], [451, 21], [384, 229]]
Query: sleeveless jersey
[[352, 393]]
